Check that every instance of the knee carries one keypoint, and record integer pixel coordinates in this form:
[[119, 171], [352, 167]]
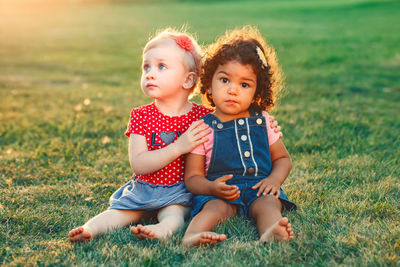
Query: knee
[[173, 210], [265, 203], [270, 200], [219, 208]]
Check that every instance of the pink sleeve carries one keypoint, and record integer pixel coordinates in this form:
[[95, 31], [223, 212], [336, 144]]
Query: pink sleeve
[[135, 124], [272, 135], [200, 150], [205, 149]]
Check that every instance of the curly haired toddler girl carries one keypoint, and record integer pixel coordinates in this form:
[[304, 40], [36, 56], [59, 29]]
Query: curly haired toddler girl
[[242, 165]]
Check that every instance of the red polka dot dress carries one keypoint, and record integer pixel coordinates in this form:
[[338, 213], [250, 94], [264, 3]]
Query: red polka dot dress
[[160, 130]]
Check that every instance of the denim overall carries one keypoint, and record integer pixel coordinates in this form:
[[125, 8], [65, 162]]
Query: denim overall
[[240, 148]]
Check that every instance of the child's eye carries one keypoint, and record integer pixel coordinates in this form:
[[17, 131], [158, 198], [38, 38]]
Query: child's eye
[[245, 85], [162, 67], [146, 67], [224, 80]]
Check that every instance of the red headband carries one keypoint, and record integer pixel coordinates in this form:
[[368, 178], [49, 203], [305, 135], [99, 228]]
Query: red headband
[[186, 44]]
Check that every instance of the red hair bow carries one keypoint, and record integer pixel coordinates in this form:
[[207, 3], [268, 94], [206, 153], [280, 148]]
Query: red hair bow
[[184, 42]]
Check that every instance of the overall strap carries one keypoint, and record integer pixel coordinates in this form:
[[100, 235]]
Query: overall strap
[[210, 119]]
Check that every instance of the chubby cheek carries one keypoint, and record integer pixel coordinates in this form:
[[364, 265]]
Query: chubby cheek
[[142, 81], [215, 87]]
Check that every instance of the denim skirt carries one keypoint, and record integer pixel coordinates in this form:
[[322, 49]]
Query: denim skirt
[[140, 195]]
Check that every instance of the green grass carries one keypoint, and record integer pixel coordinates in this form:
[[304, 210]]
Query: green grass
[[339, 116]]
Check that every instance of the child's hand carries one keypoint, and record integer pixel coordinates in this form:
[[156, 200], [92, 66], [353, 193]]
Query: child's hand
[[194, 136], [268, 186], [275, 126], [224, 191]]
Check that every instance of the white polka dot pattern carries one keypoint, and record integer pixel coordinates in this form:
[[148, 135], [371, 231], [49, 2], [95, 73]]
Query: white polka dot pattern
[[161, 130]]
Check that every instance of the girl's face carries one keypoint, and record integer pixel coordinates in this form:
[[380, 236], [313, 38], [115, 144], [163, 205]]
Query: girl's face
[[163, 72], [232, 90]]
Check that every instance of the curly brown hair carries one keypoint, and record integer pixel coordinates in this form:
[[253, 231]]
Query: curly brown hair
[[241, 45]]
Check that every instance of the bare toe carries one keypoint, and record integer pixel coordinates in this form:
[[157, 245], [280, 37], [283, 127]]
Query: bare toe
[[144, 233], [201, 239], [280, 231], [75, 231], [284, 221], [134, 230], [222, 237], [79, 234]]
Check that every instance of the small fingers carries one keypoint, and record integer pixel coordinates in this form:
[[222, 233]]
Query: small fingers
[[267, 190], [261, 189], [230, 192], [201, 135], [203, 131], [257, 185], [274, 192], [196, 124], [202, 127], [233, 197], [200, 141], [226, 187], [224, 178], [200, 130]]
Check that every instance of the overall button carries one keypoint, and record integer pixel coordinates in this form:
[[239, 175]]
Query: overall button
[[214, 122], [243, 137], [241, 122], [247, 154], [259, 121], [220, 126], [251, 170]]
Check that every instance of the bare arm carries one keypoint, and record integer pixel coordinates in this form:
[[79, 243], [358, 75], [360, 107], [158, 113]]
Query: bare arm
[[281, 162], [143, 161], [195, 179], [281, 166], [196, 182]]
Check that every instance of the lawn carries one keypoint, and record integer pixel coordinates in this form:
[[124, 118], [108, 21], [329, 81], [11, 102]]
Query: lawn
[[69, 76]]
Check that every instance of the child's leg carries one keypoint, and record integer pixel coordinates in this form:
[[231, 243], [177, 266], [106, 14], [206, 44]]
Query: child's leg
[[104, 222], [170, 218], [199, 229], [267, 212]]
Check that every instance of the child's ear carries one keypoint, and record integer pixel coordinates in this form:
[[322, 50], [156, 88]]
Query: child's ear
[[190, 80]]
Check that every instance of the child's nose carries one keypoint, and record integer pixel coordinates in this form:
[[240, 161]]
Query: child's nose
[[232, 89], [150, 75]]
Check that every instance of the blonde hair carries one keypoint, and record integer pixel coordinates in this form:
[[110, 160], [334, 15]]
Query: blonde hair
[[192, 61]]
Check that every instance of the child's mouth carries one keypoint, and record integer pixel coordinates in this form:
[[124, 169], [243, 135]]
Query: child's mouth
[[230, 102], [150, 85]]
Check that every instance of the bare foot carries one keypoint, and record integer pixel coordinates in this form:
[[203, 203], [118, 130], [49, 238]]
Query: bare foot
[[79, 235], [152, 231], [204, 238], [280, 231]]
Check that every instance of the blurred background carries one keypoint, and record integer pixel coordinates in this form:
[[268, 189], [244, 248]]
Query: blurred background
[[69, 77]]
